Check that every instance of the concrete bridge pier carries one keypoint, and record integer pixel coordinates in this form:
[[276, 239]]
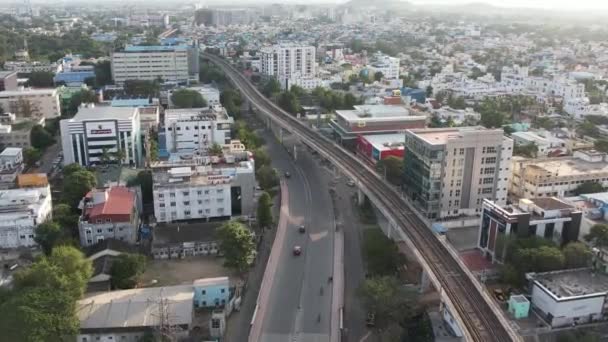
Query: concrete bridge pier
[[360, 197], [425, 282], [295, 151]]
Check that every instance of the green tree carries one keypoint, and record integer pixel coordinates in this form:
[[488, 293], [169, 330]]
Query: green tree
[[126, 270], [103, 73], [105, 156], [119, 156], [209, 73], [492, 119], [528, 150], [261, 157], [76, 185], [65, 217], [40, 138], [576, 255], [143, 180], [264, 211], [601, 145], [47, 234], [381, 254], [392, 168], [267, 177], [216, 149], [390, 300], [587, 128], [31, 156], [83, 96], [237, 245], [142, 88], [350, 101], [289, 102], [188, 98], [549, 258], [429, 92], [378, 76], [40, 79], [74, 266], [598, 235], [71, 168], [231, 100], [589, 188]]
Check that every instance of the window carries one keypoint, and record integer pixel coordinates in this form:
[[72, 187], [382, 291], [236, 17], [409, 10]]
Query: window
[[489, 180], [186, 202], [206, 192], [457, 193], [203, 292], [491, 160], [486, 191], [186, 193], [223, 290], [489, 170], [186, 212], [458, 182], [161, 195], [162, 205], [490, 149], [199, 192], [200, 201], [173, 204], [110, 230], [462, 151], [99, 231], [172, 194], [220, 191]]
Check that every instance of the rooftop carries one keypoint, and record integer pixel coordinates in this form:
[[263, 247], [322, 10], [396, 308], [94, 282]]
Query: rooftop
[[136, 307], [376, 113], [441, 136], [211, 281], [214, 113], [386, 141], [572, 283], [4, 73], [550, 203], [151, 48], [177, 233], [32, 179], [28, 91], [566, 166], [104, 112], [597, 197], [11, 152], [119, 200]]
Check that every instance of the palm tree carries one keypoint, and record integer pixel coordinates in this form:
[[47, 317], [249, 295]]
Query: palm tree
[[119, 155], [104, 158]]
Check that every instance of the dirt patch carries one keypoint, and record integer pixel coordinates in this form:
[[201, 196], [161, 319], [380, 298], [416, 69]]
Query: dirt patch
[[184, 271]]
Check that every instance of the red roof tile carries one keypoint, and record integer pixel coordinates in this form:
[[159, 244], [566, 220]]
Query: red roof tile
[[118, 206]]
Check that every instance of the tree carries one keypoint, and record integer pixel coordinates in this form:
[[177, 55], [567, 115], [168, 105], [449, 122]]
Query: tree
[[350, 101], [529, 150], [392, 168], [105, 156], [390, 300], [289, 102], [83, 96], [264, 211], [601, 145], [549, 258], [76, 185], [142, 88], [598, 235], [40, 138], [492, 119], [71, 168], [378, 76], [267, 177], [65, 217], [31, 156], [231, 100], [237, 245], [587, 128], [119, 156], [261, 157], [126, 270], [429, 92], [103, 73], [216, 149], [40, 79], [381, 254], [589, 188], [74, 266], [188, 98], [47, 234], [576, 255], [143, 180]]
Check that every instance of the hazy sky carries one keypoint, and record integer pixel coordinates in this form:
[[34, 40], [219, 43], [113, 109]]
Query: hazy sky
[[550, 4]]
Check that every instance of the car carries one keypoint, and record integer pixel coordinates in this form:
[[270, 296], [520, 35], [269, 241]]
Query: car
[[500, 295], [302, 229], [350, 182], [287, 174], [370, 320], [297, 250]]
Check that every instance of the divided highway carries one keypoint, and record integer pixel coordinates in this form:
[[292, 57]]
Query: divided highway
[[480, 320]]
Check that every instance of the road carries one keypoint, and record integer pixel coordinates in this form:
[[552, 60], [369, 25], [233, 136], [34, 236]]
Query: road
[[299, 306], [49, 155]]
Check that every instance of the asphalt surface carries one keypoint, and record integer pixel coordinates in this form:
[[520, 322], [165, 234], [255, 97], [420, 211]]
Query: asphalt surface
[[300, 302], [49, 155]]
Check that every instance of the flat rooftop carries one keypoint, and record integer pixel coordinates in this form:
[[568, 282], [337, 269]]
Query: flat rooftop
[[154, 48], [104, 112], [28, 91], [572, 283], [198, 114], [136, 307], [568, 166], [550, 203], [440, 136], [376, 113], [5, 73], [383, 142], [178, 233], [597, 197]]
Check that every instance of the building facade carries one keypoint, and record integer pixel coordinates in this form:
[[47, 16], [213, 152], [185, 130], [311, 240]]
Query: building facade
[[284, 61], [110, 213], [28, 103], [93, 130], [449, 171], [21, 211], [8, 80], [196, 129], [169, 63]]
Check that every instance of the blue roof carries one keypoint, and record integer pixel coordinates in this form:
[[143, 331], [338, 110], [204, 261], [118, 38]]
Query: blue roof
[[141, 48], [598, 197], [137, 102]]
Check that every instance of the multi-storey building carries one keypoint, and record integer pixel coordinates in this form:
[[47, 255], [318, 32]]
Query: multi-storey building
[[170, 63], [196, 129], [546, 217], [24, 67], [210, 94], [21, 211], [387, 65], [285, 61], [8, 80], [558, 177], [110, 213], [449, 171], [11, 165], [198, 189], [95, 130], [224, 16], [31, 103]]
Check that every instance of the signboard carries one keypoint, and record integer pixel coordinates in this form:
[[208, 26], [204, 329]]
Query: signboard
[[101, 129]]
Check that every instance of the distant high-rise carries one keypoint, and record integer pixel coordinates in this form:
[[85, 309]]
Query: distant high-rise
[[223, 17], [285, 61]]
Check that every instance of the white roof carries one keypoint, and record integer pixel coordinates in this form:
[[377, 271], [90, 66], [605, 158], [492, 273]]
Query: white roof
[[104, 112], [11, 151], [377, 113], [211, 281], [384, 142], [136, 307], [28, 91]]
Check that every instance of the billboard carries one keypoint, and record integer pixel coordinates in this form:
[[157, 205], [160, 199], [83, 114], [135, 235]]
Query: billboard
[[101, 129]]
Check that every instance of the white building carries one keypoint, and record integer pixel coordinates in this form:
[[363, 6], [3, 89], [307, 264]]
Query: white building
[[569, 297], [387, 65], [24, 67], [514, 79], [308, 83], [545, 142], [210, 93], [38, 103], [201, 190], [196, 129], [459, 116], [21, 211], [285, 61], [169, 63], [11, 165], [93, 129]]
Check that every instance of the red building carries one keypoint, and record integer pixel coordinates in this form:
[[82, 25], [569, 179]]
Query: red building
[[376, 147]]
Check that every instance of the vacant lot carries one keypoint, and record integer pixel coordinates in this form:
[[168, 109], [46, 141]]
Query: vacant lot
[[184, 271]]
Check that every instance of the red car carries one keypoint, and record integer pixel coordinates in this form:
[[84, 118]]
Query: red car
[[297, 250]]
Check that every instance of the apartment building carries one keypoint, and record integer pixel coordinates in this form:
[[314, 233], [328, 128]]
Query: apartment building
[[110, 213], [196, 189], [170, 63], [546, 217], [449, 171], [558, 177], [11, 165], [196, 129], [284, 61], [21, 211], [25, 67], [95, 129], [387, 65], [31, 103], [224, 16]]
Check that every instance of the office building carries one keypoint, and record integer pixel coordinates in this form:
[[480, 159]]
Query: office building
[[170, 63], [110, 213], [569, 297], [21, 211], [8, 80], [546, 217], [449, 171], [94, 130], [558, 177], [210, 188], [348, 125], [285, 61], [196, 129], [31, 103]]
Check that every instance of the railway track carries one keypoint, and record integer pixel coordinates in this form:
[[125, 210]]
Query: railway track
[[480, 320]]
